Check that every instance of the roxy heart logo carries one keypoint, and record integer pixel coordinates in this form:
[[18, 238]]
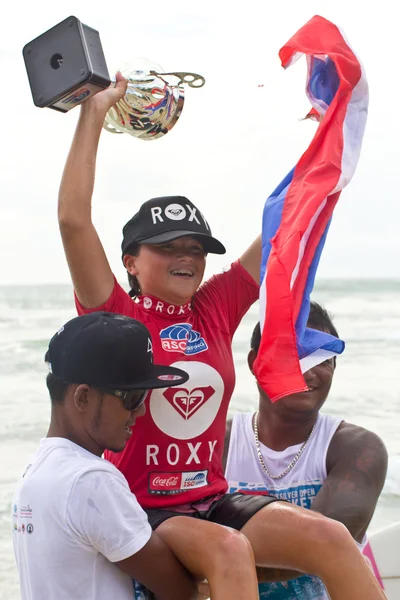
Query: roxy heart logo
[[186, 402], [186, 411], [175, 212]]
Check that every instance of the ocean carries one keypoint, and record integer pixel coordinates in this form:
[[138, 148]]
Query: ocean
[[366, 388]]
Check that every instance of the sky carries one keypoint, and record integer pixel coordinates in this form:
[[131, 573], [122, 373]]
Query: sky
[[232, 145]]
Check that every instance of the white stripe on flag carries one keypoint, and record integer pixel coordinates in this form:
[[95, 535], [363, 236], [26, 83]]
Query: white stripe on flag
[[303, 243], [316, 358], [353, 131], [263, 300]]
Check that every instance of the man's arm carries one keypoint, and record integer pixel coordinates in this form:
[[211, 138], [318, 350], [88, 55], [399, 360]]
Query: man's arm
[[157, 568], [125, 537], [251, 259], [356, 465]]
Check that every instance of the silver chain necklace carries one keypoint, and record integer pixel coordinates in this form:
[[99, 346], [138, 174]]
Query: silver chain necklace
[[291, 464]]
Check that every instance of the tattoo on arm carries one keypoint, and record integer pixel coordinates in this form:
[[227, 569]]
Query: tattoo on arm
[[357, 465]]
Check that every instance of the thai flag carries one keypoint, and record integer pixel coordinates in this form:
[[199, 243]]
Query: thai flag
[[297, 215]]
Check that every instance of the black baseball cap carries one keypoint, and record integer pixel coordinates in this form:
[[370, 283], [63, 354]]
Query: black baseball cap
[[108, 351], [167, 218]]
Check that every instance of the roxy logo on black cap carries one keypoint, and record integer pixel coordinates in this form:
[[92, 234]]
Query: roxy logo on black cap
[[177, 212]]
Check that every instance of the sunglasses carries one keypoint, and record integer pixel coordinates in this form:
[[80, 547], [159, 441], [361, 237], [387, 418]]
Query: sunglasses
[[132, 400]]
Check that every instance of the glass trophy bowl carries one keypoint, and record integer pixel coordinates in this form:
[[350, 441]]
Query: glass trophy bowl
[[153, 101]]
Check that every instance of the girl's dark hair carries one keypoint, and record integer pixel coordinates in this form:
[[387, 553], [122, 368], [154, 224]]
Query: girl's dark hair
[[134, 292], [57, 388], [319, 318], [132, 279]]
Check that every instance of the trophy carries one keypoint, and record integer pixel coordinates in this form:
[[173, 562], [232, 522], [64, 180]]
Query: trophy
[[153, 100], [66, 66]]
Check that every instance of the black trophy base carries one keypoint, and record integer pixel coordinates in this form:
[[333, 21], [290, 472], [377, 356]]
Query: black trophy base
[[65, 65]]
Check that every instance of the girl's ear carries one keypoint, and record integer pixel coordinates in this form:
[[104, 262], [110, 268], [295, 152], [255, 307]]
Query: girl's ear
[[130, 264]]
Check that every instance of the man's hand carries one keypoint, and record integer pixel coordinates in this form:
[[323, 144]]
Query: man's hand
[[158, 569]]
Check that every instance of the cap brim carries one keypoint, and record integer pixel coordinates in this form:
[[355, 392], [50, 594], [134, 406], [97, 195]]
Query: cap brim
[[160, 377], [211, 244]]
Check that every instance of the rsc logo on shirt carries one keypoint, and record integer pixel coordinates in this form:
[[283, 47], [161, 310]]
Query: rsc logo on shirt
[[182, 338]]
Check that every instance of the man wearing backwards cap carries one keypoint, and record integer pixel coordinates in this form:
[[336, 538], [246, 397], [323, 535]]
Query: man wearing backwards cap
[[78, 531]]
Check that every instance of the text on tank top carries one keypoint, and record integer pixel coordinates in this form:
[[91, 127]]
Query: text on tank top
[[301, 484]]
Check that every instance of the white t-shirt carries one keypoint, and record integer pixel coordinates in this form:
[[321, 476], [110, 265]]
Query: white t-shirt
[[73, 516]]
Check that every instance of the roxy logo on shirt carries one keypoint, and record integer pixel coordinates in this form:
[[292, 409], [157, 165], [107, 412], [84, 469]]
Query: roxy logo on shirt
[[187, 411], [188, 401], [160, 307], [182, 338]]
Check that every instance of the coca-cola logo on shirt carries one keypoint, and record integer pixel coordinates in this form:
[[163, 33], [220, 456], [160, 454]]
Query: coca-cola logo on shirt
[[164, 481], [175, 483], [186, 412]]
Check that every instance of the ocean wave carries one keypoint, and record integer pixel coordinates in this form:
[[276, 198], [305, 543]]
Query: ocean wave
[[353, 286]]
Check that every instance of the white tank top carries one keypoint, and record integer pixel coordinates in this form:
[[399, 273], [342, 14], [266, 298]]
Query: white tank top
[[302, 483], [299, 486]]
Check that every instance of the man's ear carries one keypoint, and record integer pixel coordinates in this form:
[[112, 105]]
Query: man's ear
[[251, 357], [130, 264], [81, 400]]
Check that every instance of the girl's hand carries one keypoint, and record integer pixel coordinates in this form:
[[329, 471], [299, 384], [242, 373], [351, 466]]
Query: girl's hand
[[104, 100]]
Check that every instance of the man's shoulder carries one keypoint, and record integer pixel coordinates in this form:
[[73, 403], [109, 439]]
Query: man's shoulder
[[65, 461], [64, 470], [353, 442], [349, 433], [92, 468]]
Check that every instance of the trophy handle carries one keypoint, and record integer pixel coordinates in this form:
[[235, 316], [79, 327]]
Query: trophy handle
[[193, 80]]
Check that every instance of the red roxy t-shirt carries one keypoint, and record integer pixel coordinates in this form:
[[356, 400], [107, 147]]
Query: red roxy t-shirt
[[174, 455]]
